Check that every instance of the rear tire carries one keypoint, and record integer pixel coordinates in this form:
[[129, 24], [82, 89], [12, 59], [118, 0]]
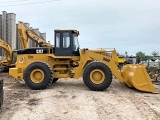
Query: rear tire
[[1, 93], [1, 98], [38, 75], [97, 76]]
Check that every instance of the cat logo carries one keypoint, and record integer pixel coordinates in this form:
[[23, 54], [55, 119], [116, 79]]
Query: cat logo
[[39, 51]]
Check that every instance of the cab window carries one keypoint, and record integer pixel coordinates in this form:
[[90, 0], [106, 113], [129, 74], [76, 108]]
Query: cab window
[[66, 40], [58, 40], [75, 43]]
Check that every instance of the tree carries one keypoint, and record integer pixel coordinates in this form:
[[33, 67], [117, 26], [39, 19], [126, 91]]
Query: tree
[[141, 55], [155, 53], [148, 57]]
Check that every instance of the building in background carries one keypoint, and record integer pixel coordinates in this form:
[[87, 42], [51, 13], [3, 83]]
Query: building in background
[[0, 26], [0, 33], [43, 35], [9, 31]]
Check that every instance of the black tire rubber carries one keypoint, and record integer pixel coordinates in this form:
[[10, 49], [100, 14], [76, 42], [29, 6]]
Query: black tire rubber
[[1, 93], [55, 80], [1, 85], [103, 67], [1, 98], [5, 69], [48, 78]]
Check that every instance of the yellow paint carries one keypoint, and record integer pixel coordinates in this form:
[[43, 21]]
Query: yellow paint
[[121, 60], [37, 76], [136, 76], [97, 76]]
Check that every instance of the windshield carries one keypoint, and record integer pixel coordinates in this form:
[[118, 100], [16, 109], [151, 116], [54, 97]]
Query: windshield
[[75, 42]]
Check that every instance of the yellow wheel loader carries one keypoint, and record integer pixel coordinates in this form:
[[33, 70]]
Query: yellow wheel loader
[[10, 55], [41, 66]]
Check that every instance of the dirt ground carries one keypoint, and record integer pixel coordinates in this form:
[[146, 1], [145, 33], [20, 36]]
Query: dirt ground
[[70, 99]]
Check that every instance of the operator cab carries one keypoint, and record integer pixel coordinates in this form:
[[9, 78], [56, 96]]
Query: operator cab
[[66, 43]]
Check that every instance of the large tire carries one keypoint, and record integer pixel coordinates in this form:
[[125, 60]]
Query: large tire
[[97, 76], [1, 93], [1, 98], [38, 75]]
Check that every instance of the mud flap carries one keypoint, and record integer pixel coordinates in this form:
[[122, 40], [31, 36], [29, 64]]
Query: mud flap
[[137, 77], [1, 93]]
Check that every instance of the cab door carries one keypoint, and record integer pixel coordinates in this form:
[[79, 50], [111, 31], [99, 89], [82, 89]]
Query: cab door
[[63, 43]]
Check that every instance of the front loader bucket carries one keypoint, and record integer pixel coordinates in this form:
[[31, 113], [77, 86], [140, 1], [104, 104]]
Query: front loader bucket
[[137, 77]]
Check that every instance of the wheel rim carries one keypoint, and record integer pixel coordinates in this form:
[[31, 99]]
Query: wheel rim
[[97, 76], [37, 75]]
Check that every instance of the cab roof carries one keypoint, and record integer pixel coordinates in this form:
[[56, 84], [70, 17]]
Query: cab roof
[[72, 30]]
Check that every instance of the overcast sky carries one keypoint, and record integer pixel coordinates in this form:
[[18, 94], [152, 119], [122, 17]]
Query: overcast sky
[[127, 25]]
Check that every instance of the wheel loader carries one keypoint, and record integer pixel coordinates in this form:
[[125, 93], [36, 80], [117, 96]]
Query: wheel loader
[[41, 66]]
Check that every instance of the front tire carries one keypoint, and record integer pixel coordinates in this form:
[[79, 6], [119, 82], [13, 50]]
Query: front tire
[[38, 75], [97, 76]]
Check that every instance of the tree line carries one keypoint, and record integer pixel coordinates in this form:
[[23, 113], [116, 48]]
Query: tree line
[[141, 55]]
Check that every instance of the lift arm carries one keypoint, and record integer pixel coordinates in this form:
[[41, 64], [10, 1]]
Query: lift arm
[[25, 33]]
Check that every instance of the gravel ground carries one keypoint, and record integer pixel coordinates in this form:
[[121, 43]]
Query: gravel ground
[[70, 99]]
